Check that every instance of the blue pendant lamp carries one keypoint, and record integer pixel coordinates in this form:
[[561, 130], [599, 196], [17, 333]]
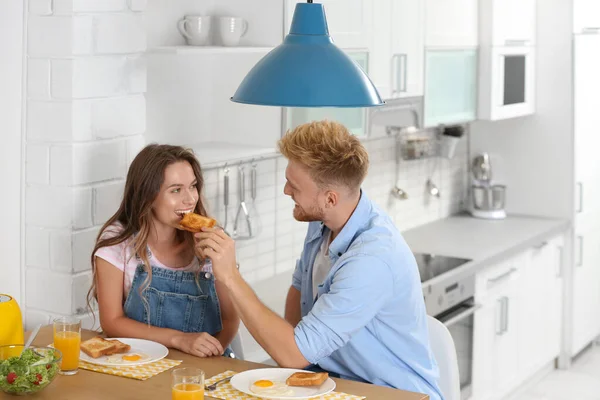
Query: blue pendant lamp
[[307, 70]]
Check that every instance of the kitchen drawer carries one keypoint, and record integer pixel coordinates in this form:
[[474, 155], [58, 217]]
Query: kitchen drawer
[[491, 278]]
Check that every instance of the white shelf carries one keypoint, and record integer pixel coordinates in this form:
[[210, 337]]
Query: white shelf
[[209, 50], [214, 154]]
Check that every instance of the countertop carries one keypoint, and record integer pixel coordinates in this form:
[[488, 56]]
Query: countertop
[[485, 242], [94, 385]]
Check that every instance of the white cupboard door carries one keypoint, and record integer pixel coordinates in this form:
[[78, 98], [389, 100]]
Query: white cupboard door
[[451, 23], [541, 307], [408, 46], [587, 121], [381, 48], [350, 21], [506, 337], [514, 22], [586, 15], [554, 313], [450, 87], [586, 285]]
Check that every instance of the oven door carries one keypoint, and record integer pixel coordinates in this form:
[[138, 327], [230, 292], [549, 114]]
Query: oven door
[[459, 321]]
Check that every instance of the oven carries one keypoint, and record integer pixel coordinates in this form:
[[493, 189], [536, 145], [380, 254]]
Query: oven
[[459, 321], [451, 300]]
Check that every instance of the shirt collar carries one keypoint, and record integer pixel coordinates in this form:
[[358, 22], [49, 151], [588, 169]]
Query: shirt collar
[[343, 240]]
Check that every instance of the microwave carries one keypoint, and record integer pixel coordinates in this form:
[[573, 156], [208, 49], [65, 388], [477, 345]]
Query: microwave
[[507, 85]]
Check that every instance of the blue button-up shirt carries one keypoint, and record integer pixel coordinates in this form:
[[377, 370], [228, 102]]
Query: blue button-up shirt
[[368, 322]]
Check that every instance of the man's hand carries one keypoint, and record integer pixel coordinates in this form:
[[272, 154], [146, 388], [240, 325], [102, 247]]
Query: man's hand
[[215, 244]]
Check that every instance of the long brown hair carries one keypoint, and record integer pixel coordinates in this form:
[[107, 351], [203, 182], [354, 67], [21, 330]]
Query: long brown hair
[[144, 180]]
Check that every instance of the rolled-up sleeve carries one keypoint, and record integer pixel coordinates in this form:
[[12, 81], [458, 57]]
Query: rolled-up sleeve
[[358, 291], [297, 277]]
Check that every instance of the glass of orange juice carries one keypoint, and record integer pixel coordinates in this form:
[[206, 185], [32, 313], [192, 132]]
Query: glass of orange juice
[[67, 338], [188, 384]]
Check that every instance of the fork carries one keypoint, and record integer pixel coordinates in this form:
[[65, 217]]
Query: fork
[[213, 386]]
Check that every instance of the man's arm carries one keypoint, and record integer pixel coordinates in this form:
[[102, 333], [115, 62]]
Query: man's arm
[[273, 333], [292, 306]]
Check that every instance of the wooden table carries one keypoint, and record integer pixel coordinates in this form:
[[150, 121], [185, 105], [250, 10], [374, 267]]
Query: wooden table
[[90, 385]]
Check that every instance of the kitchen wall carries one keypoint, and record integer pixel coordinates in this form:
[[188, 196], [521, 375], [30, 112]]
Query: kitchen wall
[[84, 121], [11, 74]]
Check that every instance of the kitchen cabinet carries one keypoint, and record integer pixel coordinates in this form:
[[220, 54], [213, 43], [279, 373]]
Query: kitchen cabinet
[[586, 16], [397, 58], [586, 286], [507, 22], [506, 82], [507, 59], [518, 328], [451, 23], [586, 271], [355, 119], [541, 290], [350, 21], [450, 86], [495, 346]]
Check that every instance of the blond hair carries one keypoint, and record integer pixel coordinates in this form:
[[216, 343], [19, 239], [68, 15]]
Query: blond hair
[[332, 155]]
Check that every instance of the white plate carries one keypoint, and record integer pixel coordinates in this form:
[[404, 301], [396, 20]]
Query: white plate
[[244, 380], [152, 351]]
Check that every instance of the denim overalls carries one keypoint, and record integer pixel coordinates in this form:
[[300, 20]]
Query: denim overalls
[[180, 300]]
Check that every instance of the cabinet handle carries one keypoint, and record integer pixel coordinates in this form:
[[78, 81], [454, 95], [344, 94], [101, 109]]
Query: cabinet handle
[[580, 208], [399, 63], [540, 246], [580, 261], [500, 316], [505, 313], [590, 30], [560, 262], [513, 42], [493, 281]]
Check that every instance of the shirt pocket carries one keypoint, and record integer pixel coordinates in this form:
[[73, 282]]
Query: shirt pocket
[[176, 310]]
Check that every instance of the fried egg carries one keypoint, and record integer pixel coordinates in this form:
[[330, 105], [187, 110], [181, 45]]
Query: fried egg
[[267, 387], [126, 358]]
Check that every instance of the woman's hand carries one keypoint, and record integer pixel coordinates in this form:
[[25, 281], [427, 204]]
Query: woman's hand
[[215, 244], [198, 344]]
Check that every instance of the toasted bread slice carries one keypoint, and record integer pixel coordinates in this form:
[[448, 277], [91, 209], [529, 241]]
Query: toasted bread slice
[[194, 222], [307, 379], [120, 347], [97, 347]]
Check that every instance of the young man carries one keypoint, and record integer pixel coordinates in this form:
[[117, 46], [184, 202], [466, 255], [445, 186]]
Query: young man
[[355, 307]]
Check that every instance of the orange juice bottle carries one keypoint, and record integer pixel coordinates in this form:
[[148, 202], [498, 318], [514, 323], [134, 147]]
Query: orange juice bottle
[[187, 391]]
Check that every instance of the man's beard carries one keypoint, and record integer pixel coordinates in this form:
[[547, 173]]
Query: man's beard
[[310, 215]]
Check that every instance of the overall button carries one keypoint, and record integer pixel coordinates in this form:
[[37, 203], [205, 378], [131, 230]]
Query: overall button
[[207, 275]]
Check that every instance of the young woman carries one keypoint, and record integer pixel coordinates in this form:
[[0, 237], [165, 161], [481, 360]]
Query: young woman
[[150, 279]]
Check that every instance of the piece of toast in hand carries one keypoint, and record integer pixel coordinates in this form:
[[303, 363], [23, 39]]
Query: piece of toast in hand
[[119, 348], [194, 222], [97, 347], [307, 379]]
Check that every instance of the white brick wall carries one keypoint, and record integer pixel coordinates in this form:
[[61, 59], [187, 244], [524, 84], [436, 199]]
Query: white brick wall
[[85, 120]]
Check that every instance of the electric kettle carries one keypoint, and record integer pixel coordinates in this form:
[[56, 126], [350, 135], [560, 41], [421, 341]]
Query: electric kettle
[[11, 321]]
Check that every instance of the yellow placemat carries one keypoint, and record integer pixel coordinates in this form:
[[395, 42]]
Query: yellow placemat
[[140, 372], [225, 391]]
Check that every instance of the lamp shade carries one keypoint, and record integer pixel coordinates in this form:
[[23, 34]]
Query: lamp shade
[[307, 70]]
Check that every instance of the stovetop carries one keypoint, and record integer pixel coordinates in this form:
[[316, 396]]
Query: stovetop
[[431, 265]]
